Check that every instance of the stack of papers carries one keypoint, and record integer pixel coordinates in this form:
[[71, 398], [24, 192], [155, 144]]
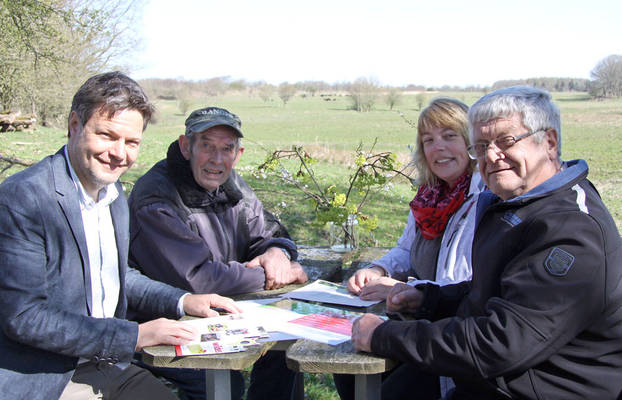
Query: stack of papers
[[267, 320], [304, 320]]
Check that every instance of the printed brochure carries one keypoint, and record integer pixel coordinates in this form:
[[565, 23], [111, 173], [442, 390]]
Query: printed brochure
[[225, 334]]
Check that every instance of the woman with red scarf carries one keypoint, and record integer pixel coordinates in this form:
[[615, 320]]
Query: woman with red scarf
[[436, 243]]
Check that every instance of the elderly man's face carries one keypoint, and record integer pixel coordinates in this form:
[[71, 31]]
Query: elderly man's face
[[212, 155], [521, 167]]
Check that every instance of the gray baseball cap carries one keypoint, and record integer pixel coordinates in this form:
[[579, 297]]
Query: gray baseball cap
[[205, 118]]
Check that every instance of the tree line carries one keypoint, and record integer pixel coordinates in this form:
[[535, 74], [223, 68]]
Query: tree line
[[49, 47]]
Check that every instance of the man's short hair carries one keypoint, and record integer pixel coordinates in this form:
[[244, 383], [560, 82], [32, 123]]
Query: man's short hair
[[534, 106], [109, 93]]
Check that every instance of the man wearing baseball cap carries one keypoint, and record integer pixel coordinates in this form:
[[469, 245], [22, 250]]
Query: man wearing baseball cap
[[195, 224]]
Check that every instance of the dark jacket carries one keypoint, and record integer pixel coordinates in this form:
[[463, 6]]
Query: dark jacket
[[45, 287], [542, 318], [197, 241]]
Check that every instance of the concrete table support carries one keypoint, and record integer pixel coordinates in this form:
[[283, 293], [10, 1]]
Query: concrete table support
[[216, 366], [314, 357]]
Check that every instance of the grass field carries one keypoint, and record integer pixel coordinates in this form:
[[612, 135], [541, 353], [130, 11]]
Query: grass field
[[330, 131]]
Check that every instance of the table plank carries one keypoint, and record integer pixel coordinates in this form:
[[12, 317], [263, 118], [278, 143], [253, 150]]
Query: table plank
[[164, 356], [315, 357]]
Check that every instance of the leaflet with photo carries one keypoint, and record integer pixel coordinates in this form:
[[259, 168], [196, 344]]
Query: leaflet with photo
[[225, 334]]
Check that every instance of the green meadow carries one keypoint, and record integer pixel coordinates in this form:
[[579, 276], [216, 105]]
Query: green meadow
[[331, 132]]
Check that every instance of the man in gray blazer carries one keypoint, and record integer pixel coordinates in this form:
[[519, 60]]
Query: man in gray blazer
[[64, 281]]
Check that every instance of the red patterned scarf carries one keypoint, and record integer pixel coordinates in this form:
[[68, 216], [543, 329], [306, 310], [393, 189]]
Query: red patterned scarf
[[434, 205]]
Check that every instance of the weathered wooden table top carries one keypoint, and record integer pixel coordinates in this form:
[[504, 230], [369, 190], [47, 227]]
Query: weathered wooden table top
[[304, 355]]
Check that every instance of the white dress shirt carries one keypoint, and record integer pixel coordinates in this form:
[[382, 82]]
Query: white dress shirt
[[102, 246]]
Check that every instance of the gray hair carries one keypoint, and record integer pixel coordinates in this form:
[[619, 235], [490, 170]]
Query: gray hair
[[535, 107]]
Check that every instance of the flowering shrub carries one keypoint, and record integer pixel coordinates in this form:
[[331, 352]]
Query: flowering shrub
[[371, 172]]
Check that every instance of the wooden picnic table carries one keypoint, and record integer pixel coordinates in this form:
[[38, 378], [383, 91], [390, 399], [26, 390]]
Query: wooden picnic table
[[302, 355]]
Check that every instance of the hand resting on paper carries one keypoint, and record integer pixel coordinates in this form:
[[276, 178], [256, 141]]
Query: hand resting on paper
[[362, 331]]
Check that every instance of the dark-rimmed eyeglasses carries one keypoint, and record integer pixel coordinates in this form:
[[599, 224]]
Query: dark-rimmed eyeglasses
[[478, 150]]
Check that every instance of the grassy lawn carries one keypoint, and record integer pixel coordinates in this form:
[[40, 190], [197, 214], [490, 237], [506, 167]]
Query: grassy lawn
[[331, 132], [591, 130]]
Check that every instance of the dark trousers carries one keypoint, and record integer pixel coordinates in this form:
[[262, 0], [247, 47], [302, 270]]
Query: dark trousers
[[270, 379], [403, 382], [106, 381]]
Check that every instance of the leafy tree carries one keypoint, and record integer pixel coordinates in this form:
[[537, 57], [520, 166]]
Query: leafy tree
[[49, 47], [607, 75]]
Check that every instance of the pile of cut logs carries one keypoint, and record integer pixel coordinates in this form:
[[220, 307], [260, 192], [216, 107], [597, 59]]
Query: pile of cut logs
[[14, 121]]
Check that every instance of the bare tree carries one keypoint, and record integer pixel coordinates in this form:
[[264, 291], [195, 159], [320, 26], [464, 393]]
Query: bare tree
[[607, 75], [364, 93], [420, 98], [393, 97], [214, 86], [265, 92], [286, 92]]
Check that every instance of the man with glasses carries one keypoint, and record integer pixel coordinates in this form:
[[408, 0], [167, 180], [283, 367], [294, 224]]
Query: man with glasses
[[542, 317], [195, 224]]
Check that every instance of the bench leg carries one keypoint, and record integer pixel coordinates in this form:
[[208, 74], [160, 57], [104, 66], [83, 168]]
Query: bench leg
[[299, 386], [367, 387], [218, 384]]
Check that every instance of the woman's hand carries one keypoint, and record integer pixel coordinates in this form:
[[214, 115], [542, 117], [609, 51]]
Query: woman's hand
[[377, 289], [361, 277]]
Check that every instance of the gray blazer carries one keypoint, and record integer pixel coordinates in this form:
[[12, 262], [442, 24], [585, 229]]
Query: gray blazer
[[45, 295]]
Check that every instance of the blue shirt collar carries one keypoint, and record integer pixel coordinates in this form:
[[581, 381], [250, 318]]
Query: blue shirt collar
[[571, 170]]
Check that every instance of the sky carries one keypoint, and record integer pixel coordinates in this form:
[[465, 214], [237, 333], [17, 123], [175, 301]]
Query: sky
[[394, 42]]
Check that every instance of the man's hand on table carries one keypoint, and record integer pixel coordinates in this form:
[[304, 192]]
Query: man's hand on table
[[362, 331], [279, 270], [403, 297], [200, 305], [164, 331]]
